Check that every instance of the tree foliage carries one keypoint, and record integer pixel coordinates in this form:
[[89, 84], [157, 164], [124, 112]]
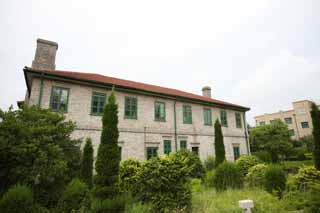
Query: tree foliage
[[219, 144], [86, 172], [245, 162], [273, 138], [108, 159], [36, 150], [315, 114]]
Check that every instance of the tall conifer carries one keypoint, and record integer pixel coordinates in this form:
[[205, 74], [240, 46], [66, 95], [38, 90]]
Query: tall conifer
[[86, 172], [218, 143]]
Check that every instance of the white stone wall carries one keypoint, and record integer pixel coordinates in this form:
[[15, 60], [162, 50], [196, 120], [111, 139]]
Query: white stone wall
[[136, 134]]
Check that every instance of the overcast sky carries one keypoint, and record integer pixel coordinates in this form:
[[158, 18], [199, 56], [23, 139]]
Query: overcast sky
[[260, 54]]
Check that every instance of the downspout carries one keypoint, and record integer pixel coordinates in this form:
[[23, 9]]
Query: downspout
[[175, 125], [246, 133], [41, 91]]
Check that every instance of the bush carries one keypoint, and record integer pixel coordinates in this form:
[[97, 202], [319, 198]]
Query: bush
[[275, 180], [18, 199], [306, 175], [114, 205], [227, 175], [209, 163], [75, 196], [245, 162], [128, 174], [164, 183], [192, 161], [209, 179], [86, 171], [256, 176], [263, 156]]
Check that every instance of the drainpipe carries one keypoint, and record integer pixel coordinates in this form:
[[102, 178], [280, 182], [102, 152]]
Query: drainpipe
[[246, 133], [41, 91], [175, 125]]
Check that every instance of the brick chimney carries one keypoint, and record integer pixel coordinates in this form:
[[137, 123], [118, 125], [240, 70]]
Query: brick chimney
[[45, 56], [206, 92]]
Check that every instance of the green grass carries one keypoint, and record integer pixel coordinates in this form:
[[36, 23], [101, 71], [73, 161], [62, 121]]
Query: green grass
[[227, 201], [297, 163]]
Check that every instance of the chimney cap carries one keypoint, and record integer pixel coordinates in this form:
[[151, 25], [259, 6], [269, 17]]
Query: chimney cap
[[52, 43], [206, 88]]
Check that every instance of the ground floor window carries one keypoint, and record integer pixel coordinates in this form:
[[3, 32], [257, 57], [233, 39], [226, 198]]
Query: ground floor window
[[195, 150], [120, 151], [236, 152], [183, 144], [152, 152], [167, 146]]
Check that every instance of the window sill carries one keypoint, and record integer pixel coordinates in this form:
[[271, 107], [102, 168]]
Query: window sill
[[131, 118], [160, 120]]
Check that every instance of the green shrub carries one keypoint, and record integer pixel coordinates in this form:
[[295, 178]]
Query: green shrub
[[209, 179], [192, 161], [86, 172], [114, 205], [128, 174], [256, 176], [196, 185], [227, 175], [164, 182], [275, 180], [18, 199], [245, 162], [75, 196], [307, 175], [139, 208], [210, 163], [263, 156]]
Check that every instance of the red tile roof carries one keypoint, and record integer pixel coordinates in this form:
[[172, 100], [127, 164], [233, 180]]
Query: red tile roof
[[132, 84]]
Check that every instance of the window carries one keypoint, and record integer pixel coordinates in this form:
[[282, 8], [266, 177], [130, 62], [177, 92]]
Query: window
[[187, 114], [207, 116], [262, 123], [238, 120], [305, 124], [288, 120], [120, 151], [167, 146], [130, 109], [291, 132], [59, 99], [151, 152], [159, 111], [236, 152], [223, 118], [97, 103], [183, 144], [195, 150]]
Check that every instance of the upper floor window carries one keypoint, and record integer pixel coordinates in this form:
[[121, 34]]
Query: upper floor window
[[288, 120], [207, 116], [59, 99], [98, 101], [187, 114], [130, 108], [167, 146], [159, 111], [262, 123], [223, 118], [305, 124], [238, 120]]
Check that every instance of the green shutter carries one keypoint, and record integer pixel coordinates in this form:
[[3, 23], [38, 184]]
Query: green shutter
[[236, 152], [98, 101], [207, 116], [187, 114], [151, 152], [167, 146], [183, 144], [238, 120], [59, 99], [130, 108], [159, 111], [223, 118]]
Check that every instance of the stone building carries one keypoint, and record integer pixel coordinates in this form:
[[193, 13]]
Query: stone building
[[298, 119], [153, 120]]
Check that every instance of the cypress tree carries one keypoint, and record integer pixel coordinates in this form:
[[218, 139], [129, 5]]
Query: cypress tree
[[218, 143], [87, 163], [315, 115], [108, 158]]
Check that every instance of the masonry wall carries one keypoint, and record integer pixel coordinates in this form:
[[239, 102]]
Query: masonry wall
[[137, 134]]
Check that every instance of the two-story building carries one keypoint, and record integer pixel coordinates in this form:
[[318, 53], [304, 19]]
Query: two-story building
[[153, 120]]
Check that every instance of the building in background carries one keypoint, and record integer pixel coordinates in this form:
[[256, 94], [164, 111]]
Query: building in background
[[298, 119], [153, 120]]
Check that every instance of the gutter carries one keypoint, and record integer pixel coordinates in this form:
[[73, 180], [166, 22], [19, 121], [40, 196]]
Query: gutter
[[175, 125], [246, 133]]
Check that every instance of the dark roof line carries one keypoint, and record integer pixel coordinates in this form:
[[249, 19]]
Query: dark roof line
[[82, 76]]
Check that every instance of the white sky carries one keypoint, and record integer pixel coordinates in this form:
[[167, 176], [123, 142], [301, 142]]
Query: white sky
[[261, 54]]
